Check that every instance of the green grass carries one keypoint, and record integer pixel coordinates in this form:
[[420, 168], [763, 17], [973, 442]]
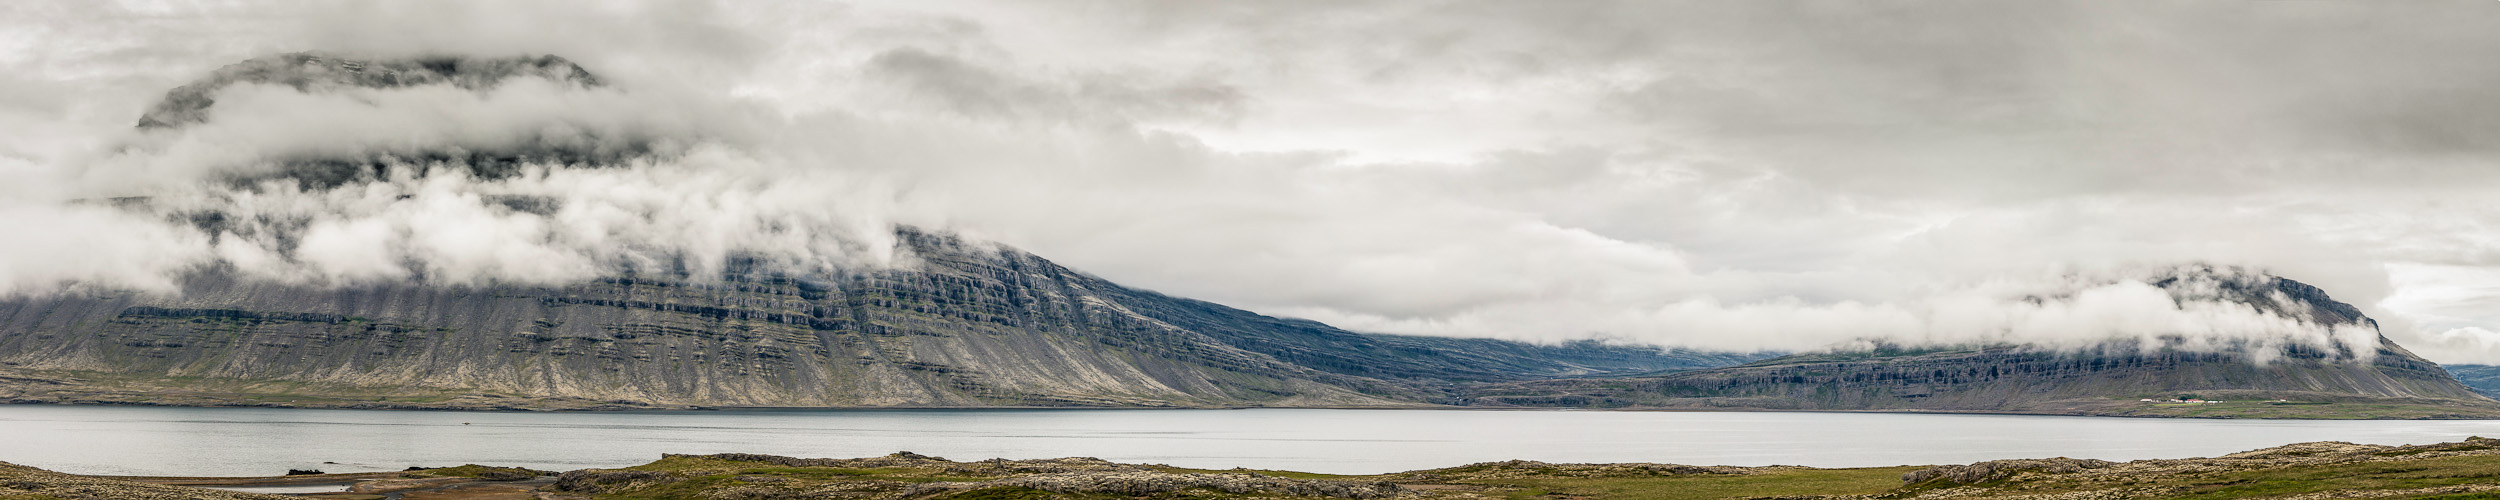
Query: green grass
[[1773, 484], [2261, 483], [2463, 496], [2346, 477], [698, 486], [812, 473], [1005, 493], [475, 470], [700, 474], [689, 488], [686, 463], [731, 468], [2446, 471], [700, 477]]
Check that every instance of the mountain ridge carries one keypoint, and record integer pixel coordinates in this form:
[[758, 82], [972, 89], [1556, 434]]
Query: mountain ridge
[[2121, 378], [949, 324], [972, 326]]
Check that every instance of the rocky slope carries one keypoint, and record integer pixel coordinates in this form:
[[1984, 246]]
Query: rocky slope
[[2111, 379], [970, 325]]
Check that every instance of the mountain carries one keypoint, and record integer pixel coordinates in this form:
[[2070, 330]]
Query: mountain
[[951, 323], [314, 72], [2483, 379], [970, 325], [956, 324], [2108, 379]]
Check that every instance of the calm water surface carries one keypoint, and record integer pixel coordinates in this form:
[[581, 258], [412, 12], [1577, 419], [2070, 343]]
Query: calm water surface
[[259, 442]]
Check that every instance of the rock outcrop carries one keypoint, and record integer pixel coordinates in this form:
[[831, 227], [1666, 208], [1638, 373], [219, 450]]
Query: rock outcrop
[[1993, 470]]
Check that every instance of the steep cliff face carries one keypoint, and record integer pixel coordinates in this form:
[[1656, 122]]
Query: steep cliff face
[[968, 326], [2110, 378]]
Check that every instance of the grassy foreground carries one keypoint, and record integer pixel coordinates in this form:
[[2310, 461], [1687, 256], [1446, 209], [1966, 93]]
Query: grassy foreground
[[2461, 470]]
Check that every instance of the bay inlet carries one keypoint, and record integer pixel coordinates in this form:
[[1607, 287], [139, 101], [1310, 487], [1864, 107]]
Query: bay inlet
[[175, 441]]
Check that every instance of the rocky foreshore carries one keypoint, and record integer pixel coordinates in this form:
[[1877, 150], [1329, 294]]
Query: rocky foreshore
[[2305, 471], [22, 482]]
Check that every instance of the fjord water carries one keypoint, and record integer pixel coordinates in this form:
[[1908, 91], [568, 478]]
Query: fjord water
[[258, 442]]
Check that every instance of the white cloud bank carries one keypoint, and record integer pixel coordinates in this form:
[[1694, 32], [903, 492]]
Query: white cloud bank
[[1735, 175]]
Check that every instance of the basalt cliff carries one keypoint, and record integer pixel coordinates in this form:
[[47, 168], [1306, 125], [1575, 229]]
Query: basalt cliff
[[967, 325]]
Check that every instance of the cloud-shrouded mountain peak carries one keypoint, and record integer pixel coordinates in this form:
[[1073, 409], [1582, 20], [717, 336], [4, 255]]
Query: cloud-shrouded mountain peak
[[313, 72], [1771, 175]]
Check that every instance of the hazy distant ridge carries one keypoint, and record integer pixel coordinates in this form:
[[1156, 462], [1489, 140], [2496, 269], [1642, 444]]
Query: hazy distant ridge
[[2112, 378]]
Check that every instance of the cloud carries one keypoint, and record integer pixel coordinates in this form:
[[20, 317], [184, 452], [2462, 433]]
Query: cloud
[[1734, 175], [91, 248], [960, 86]]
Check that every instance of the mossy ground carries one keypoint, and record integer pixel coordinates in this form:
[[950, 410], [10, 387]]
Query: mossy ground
[[706, 467], [1263, 472], [1784, 483], [1801, 482], [2469, 469], [2348, 480], [2447, 471], [482, 472], [2342, 470], [701, 476], [2354, 479]]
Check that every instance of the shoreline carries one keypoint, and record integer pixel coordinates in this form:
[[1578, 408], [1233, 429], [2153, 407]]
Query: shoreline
[[2303, 470], [656, 409]]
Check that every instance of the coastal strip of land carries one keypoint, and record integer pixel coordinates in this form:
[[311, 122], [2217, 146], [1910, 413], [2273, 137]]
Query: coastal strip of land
[[2304, 471]]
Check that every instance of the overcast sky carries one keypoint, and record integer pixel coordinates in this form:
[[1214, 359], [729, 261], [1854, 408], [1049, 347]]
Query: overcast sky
[[1725, 174]]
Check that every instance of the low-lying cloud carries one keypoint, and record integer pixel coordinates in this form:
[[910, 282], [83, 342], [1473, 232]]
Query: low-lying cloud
[[1726, 176], [533, 181]]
